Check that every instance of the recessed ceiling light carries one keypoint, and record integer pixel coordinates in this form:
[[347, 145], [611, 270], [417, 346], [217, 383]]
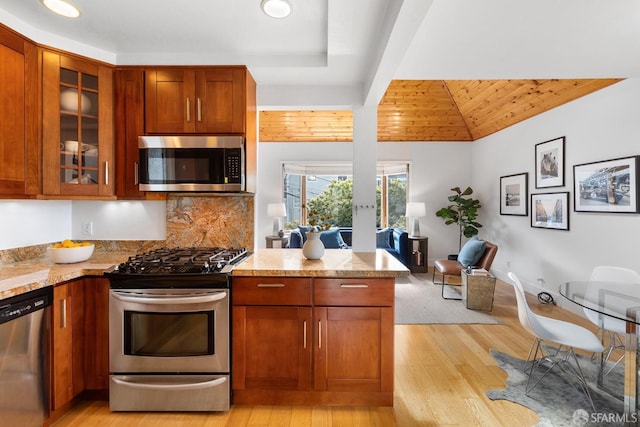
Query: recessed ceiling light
[[62, 7], [276, 8]]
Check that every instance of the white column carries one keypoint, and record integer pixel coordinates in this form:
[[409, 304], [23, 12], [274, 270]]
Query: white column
[[365, 142]]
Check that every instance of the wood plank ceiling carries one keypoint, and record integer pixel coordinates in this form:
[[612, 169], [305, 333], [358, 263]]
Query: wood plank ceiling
[[434, 110]]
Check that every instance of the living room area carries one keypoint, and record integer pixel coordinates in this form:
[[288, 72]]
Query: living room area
[[543, 258]]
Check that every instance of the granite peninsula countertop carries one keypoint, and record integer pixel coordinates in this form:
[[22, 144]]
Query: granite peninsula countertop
[[20, 277], [334, 263]]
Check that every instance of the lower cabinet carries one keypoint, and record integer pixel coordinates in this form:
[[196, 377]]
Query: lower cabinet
[[68, 343], [303, 341], [80, 350]]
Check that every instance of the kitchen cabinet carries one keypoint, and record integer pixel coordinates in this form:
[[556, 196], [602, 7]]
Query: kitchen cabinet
[[20, 172], [77, 127], [96, 327], [312, 341], [196, 100], [130, 119], [355, 324], [68, 343], [271, 337]]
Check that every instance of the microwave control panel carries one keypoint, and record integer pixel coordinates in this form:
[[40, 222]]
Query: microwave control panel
[[233, 165]]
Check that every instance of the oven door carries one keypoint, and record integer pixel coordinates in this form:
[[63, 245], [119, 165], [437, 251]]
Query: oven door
[[169, 331]]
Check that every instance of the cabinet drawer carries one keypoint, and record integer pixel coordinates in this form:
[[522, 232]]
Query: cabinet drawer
[[364, 292], [271, 291]]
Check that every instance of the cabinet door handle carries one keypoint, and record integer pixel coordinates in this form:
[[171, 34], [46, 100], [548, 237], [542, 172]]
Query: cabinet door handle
[[188, 110], [135, 173], [319, 333], [304, 334], [271, 285], [354, 285], [199, 106], [63, 314], [106, 173]]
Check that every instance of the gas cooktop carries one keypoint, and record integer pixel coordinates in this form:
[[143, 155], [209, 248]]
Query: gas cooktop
[[181, 261]]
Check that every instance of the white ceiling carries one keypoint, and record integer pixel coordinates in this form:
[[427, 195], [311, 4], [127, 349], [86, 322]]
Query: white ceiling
[[340, 53]]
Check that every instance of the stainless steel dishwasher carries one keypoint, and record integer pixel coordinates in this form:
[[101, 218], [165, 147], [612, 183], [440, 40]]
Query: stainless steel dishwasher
[[25, 326]]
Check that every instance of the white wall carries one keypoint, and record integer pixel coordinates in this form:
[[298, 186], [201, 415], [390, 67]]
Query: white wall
[[601, 126], [435, 168], [34, 222]]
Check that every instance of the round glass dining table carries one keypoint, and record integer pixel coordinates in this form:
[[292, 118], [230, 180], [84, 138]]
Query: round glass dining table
[[608, 303]]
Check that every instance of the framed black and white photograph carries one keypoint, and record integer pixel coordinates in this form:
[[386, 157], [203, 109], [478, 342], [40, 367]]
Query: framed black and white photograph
[[607, 186], [550, 163], [550, 210], [513, 194]]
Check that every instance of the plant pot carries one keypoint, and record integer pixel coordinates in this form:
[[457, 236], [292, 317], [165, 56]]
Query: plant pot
[[313, 248]]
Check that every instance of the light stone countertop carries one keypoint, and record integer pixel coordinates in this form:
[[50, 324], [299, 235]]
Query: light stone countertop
[[21, 277], [334, 263]]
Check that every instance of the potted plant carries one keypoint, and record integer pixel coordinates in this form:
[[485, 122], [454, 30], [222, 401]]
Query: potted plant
[[462, 211]]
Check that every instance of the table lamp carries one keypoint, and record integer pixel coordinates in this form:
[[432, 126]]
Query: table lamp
[[415, 211], [277, 211]]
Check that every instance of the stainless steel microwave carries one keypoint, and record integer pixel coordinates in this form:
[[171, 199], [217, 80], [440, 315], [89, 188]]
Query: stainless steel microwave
[[191, 163]]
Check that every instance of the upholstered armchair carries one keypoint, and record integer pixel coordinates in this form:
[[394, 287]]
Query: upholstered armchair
[[477, 253]]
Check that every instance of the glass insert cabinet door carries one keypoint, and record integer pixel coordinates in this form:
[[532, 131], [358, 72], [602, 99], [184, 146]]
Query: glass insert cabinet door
[[79, 142], [77, 126]]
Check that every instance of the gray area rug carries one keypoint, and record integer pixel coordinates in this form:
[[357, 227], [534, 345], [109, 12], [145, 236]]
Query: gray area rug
[[419, 302], [558, 400]]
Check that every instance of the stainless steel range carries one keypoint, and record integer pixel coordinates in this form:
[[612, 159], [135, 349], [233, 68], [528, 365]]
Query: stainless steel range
[[169, 330]]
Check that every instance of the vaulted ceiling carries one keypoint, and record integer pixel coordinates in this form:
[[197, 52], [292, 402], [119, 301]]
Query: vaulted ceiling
[[434, 110]]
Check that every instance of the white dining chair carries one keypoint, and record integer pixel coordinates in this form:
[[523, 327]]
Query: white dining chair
[[609, 326], [566, 335]]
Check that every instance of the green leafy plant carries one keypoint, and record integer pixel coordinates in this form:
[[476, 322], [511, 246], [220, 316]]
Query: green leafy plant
[[318, 222], [462, 211]]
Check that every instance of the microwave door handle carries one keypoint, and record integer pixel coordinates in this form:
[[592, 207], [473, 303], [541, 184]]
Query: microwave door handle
[[186, 386], [171, 300]]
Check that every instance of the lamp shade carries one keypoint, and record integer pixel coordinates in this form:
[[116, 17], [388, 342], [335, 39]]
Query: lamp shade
[[416, 210], [276, 209]]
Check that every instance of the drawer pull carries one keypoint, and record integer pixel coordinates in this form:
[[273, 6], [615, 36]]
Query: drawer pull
[[304, 333], [271, 285], [319, 334], [354, 285]]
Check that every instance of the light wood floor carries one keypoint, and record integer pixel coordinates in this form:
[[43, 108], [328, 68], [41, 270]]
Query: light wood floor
[[441, 375]]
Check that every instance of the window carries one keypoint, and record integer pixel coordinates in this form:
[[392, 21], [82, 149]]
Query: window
[[328, 189]]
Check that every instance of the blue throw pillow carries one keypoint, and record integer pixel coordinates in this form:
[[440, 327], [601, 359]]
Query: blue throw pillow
[[332, 239], [383, 238], [471, 252], [304, 229], [295, 239]]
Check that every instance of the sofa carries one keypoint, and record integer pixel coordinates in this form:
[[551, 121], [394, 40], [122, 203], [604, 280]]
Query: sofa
[[393, 240]]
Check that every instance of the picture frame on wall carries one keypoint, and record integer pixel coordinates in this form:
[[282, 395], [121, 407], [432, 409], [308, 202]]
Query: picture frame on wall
[[514, 194], [549, 165], [550, 210], [607, 186]]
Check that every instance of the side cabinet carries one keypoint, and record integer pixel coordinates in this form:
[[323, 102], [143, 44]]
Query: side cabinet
[[20, 171], [68, 343], [305, 341], [96, 326]]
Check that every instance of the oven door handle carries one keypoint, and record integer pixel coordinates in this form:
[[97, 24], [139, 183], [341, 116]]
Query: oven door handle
[[171, 387], [170, 300]]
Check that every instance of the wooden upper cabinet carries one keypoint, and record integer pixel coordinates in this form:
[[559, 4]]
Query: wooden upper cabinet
[[19, 154], [77, 127], [201, 100]]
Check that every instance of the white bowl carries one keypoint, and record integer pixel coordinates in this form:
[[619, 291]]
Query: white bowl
[[70, 255]]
